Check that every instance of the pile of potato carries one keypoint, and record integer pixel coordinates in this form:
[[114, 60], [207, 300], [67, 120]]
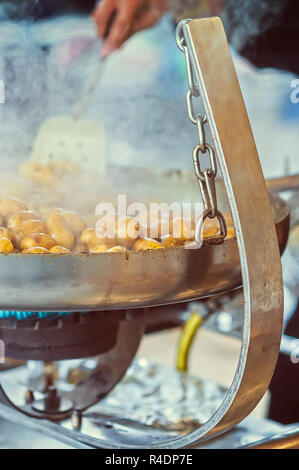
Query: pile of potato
[[35, 217]]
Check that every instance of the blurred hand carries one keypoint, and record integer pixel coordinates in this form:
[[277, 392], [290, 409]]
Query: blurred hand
[[117, 20]]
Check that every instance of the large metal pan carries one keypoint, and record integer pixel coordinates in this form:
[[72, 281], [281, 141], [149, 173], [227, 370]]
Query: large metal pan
[[117, 280]]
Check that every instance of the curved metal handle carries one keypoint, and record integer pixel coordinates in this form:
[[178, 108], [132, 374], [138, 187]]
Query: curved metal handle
[[253, 220]]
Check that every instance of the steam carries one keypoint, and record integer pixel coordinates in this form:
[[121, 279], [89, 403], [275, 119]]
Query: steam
[[140, 100], [244, 20]]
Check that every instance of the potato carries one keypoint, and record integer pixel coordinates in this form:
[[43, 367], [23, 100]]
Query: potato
[[32, 226], [102, 248], [169, 241], [37, 239], [210, 227], [117, 248], [6, 245], [17, 238], [5, 233], [37, 172], [106, 226], [15, 220], [60, 250], [35, 250], [90, 238], [157, 226], [122, 231], [210, 230], [10, 205], [146, 244], [74, 221], [60, 231], [127, 231], [183, 229]]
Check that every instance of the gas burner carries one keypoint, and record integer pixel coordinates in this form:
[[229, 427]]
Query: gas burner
[[56, 336], [112, 336]]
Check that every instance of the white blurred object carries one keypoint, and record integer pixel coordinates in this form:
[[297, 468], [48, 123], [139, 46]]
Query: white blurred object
[[274, 118], [80, 141]]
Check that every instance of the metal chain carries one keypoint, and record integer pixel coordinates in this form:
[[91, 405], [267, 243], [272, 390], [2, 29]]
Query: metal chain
[[206, 178]]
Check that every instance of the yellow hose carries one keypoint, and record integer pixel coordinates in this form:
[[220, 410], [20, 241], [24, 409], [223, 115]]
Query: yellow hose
[[186, 340]]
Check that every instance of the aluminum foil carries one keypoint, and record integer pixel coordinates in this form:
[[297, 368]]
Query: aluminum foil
[[151, 401], [159, 397], [149, 395]]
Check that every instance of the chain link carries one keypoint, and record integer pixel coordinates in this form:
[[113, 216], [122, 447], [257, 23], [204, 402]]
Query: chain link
[[212, 170], [179, 35], [193, 87], [206, 177]]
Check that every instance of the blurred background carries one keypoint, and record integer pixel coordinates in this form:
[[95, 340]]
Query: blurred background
[[140, 102], [140, 98]]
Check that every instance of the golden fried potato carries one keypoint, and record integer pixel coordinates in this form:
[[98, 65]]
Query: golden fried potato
[[35, 250], [16, 220], [157, 225], [211, 227], [127, 231], [37, 239], [60, 231], [183, 229], [32, 226], [170, 242], [122, 231], [37, 172], [117, 248], [90, 238], [17, 238], [106, 226], [6, 245], [46, 211], [210, 230], [60, 250], [102, 248], [10, 205], [5, 233], [146, 244], [74, 221]]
